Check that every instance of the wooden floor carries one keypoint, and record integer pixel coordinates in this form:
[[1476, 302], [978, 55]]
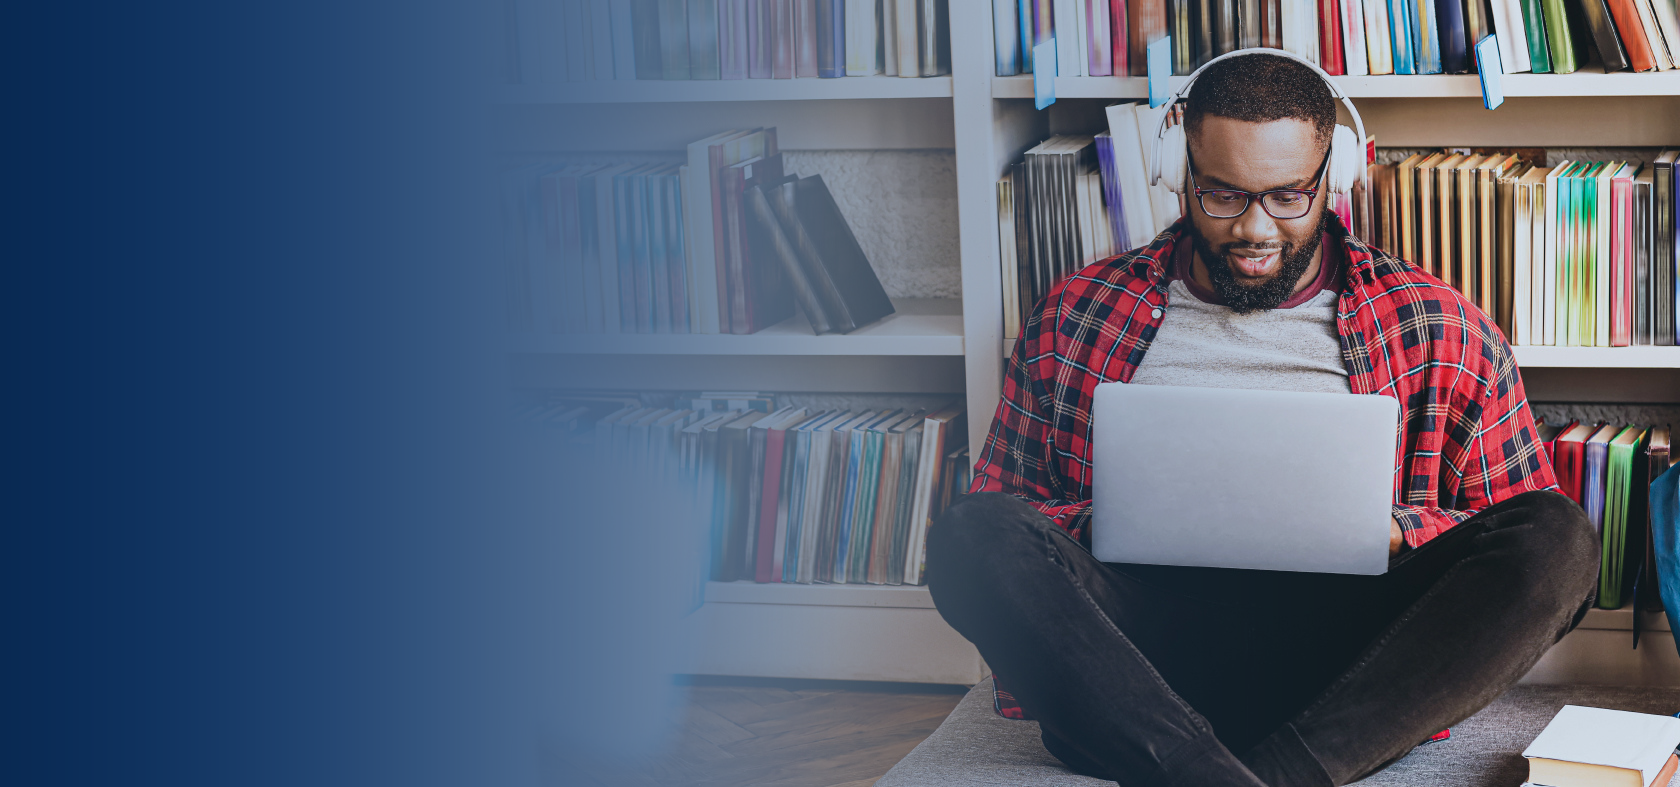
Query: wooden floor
[[745, 731]]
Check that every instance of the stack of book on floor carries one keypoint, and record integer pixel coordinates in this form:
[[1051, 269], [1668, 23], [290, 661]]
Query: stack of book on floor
[[1598, 747], [727, 242], [557, 41], [1607, 469], [786, 494], [1074, 200], [1344, 37], [1580, 253]]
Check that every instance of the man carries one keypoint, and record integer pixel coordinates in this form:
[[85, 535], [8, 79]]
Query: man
[[1197, 676]]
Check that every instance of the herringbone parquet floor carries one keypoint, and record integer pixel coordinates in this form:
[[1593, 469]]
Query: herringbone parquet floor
[[738, 732]]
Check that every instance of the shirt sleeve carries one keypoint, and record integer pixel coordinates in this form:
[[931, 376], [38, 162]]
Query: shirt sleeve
[[1492, 453], [1018, 458]]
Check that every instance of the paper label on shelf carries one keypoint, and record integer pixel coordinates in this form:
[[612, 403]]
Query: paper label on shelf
[[1158, 55], [1491, 70], [1044, 74]]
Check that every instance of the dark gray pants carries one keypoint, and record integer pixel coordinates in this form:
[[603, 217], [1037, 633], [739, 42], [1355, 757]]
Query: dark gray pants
[[1160, 675]]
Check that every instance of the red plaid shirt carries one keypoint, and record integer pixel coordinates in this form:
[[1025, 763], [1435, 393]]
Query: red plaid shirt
[[1468, 438]]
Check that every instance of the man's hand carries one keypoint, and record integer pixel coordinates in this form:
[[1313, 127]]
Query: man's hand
[[1395, 538]]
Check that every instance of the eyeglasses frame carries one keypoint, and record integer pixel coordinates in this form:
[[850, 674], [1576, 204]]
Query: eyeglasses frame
[[1258, 197]]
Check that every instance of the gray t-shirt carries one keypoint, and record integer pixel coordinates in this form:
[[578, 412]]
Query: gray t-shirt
[[1291, 348]]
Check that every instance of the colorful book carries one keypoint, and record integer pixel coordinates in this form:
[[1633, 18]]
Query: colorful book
[[1616, 571]]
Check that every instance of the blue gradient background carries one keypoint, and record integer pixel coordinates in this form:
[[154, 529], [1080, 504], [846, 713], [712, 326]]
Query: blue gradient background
[[267, 524]]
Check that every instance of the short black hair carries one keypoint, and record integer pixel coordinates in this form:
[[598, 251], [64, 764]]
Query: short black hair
[[1262, 88]]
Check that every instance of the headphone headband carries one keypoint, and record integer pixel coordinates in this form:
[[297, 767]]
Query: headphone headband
[[1335, 92]]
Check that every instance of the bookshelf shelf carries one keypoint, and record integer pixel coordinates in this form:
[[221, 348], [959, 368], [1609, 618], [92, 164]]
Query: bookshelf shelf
[[1529, 357], [1586, 82], [901, 596], [921, 326], [640, 91], [1598, 357]]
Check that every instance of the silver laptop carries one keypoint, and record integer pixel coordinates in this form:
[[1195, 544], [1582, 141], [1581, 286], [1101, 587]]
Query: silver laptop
[[1235, 478]]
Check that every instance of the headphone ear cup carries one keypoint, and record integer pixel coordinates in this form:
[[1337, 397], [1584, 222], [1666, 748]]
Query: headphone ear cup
[[1171, 160], [1347, 160]]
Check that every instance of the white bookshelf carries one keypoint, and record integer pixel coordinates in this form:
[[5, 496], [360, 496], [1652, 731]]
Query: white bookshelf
[[1534, 357], [894, 633], [1590, 81], [920, 326], [632, 91]]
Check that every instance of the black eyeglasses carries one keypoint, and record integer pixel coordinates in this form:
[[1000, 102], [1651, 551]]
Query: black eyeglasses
[[1280, 204]]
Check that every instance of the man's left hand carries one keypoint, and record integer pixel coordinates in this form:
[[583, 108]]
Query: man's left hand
[[1396, 538]]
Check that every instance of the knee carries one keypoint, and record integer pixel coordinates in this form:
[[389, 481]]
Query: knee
[[979, 526], [1560, 539]]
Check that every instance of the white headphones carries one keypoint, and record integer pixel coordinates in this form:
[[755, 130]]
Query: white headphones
[[1169, 155]]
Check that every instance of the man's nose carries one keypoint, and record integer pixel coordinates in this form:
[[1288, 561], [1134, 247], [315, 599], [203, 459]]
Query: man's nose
[[1255, 225]]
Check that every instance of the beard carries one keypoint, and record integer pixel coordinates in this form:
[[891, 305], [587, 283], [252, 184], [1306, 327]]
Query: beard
[[1268, 294]]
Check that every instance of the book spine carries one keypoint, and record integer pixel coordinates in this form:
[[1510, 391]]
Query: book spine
[[862, 38], [659, 261], [732, 39], [643, 228], [1630, 30], [1248, 23], [579, 60], [675, 253], [1560, 40], [703, 39], [589, 227], [769, 502], [1147, 22], [1534, 34], [758, 39], [907, 37], [1006, 38], [1400, 26], [625, 233], [1377, 37], [732, 288], [1610, 49], [933, 22], [829, 302], [606, 242], [783, 39], [645, 29], [1354, 61], [673, 38], [805, 39], [769, 228], [1426, 36], [600, 38], [831, 38], [720, 238]]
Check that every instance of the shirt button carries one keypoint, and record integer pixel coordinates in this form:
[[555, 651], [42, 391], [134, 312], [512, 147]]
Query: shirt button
[[1156, 314]]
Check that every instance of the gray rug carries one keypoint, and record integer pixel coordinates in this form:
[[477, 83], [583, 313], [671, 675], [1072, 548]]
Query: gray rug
[[977, 747]]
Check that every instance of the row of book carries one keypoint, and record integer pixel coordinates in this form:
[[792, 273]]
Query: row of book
[[726, 243], [1607, 469], [556, 41], [1073, 200], [1579, 253], [1352, 37], [790, 495]]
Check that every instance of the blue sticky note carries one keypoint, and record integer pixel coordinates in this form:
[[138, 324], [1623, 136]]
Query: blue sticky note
[[1159, 57], [1492, 71], [1044, 73]]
